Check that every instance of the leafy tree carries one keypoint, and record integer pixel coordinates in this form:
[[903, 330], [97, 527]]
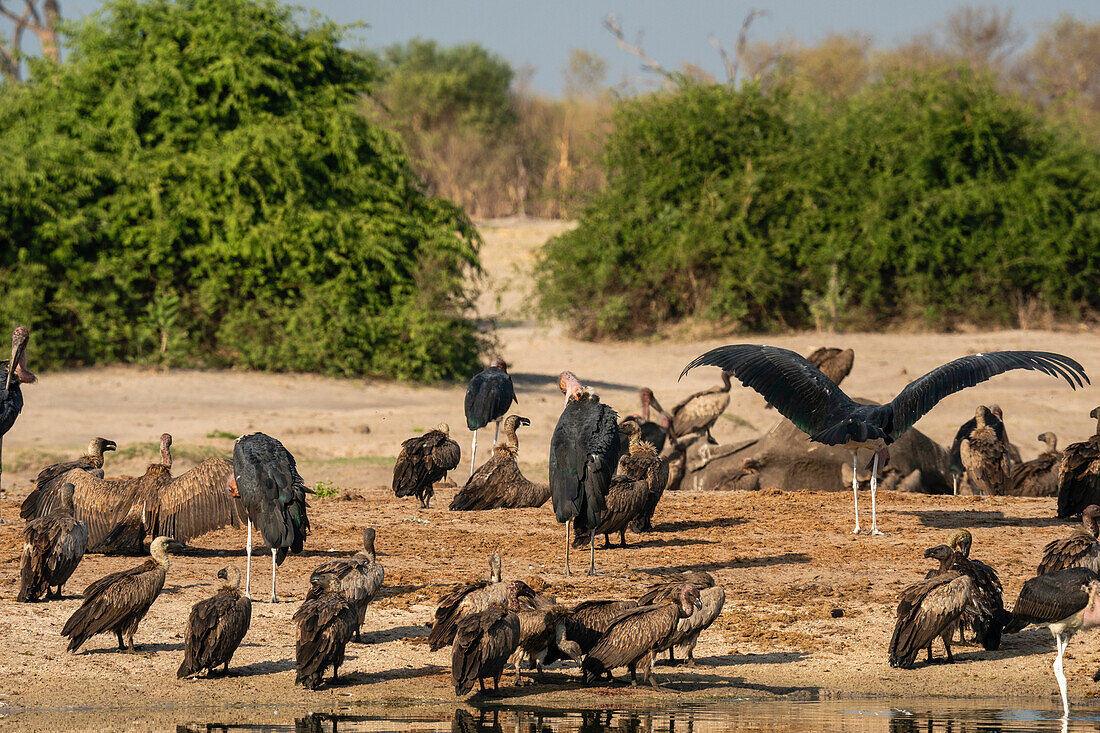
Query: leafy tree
[[197, 179]]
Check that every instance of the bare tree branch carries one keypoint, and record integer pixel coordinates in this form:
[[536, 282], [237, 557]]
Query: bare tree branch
[[611, 23], [30, 19], [733, 65]]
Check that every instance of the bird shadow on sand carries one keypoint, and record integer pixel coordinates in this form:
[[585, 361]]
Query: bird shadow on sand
[[397, 633], [141, 649], [684, 525], [550, 381], [662, 542], [750, 562], [259, 554], [701, 663], [408, 673], [946, 519], [709, 681], [257, 669], [390, 591]]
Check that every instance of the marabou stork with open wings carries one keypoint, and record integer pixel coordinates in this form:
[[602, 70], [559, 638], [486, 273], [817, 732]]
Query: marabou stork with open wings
[[266, 478], [489, 395], [584, 453], [810, 400]]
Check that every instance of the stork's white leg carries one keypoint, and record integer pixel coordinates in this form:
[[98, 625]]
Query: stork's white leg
[[248, 564], [496, 433], [1059, 674], [273, 598], [855, 488], [874, 484], [473, 453], [567, 549], [592, 555], [955, 483]]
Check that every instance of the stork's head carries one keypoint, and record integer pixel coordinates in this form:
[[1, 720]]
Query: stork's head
[[499, 364], [570, 386], [997, 412], [17, 367], [166, 449]]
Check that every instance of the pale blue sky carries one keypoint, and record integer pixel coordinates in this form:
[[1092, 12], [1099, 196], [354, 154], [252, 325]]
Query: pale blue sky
[[540, 34]]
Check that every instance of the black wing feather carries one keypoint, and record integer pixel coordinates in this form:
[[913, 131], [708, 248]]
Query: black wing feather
[[488, 397], [1052, 597]]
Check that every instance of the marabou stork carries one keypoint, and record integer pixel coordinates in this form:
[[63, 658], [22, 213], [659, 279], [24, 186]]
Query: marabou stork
[[489, 395]]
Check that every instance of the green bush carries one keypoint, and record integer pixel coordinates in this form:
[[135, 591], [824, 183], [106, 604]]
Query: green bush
[[196, 184], [924, 196]]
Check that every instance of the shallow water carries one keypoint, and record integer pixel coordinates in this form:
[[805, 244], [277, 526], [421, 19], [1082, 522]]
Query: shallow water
[[914, 716]]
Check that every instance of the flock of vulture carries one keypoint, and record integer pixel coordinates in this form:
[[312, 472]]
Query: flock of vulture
[[606, 476]]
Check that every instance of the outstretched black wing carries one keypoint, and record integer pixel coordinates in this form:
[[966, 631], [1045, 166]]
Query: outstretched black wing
[[921, 395], [788, 381]]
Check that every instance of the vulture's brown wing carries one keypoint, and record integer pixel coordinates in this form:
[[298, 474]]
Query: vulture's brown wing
[[114, 598], [46, 497], [99, 503], [634, 632], [196, 502], [1077, 550], [446, 454], [485, 489], [927, 608]]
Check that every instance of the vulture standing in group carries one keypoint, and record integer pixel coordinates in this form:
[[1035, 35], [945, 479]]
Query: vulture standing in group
[[360, 576], [1079, 550], [653, 433], [634, 637], [1039, 476], [326, 622], [423, 460], [467, 599], [498, 483], [489, 395], [698, 413], [46, 495], [181, 507], [984, 456], [484, 641], [16, 375], [119, 601], [627, 496], [1079, 476], [711, 597], [994, 420], [934, 607], [989, 622], [542, 637], [818, 407], [588, 621], [1064, 601], [265, 477], [52, 548], [642, 462], [584, 453], [216, 627]]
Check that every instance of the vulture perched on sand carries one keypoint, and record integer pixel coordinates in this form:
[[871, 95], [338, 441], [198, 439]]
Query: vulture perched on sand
[[934, 607], [1079, 550], [52, 548], [587, 622], [489, 395], [498, 483], [1079, 476], [423, 460], [119, 601], [635, 635], [46, 495], [326, 622], [653, 433], [216, 627], [471, 598], [484, 641], [584, 453], [955, 557], [360, 576], [984, 456], [642, 462], [265, 477], [181, 507], [543, 638], [686, 635], [15, 375], [1039, 476]]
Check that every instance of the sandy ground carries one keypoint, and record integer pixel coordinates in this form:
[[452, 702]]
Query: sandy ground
[[785, 560]]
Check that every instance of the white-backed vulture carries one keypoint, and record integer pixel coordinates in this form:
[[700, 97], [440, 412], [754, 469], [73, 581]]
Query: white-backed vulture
[[483, 643], [1039, 476], [665, 589], [326, 623], [1079, 550], [543, 638], [984, 456], [929, 608], [699, 412], [635, 635], [216, 627], [360, 576], [46, 495], [469, 598], [52, 548], [423, 460], [498, 483], [642, 462], [1079, 476], [119, 601], [686, 636]]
